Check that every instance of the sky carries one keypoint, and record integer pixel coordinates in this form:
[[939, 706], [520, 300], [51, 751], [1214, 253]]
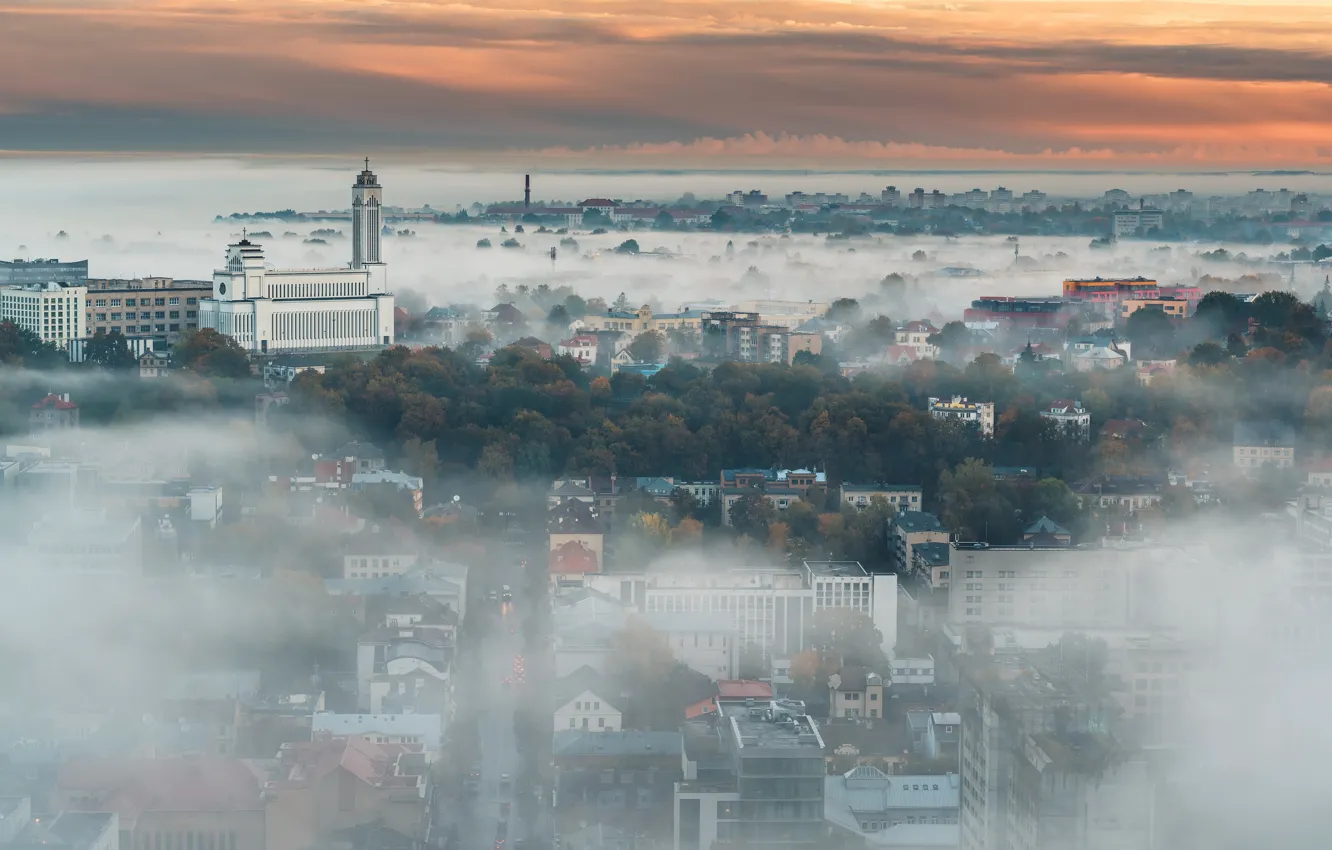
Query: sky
[[1066, 84]]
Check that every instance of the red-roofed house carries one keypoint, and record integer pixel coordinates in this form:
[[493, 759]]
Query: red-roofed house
[[209, 802], [917, 335], [577, 543], [334, 783], [54, 413], [601, 205]]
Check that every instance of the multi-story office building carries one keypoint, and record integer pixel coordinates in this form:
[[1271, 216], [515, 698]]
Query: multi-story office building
[[159, 308], [964, 410], [42, 271], [269, 310], [1041, 769], [1088, 587], [1106, 295], [764, 784], [772, 606], [53, 311], [1017, 312]]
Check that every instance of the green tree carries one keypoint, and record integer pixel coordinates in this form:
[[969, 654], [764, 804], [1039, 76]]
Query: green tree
[[952, 339], [559, 317], [846, 637], [973, 507], [1207, 354], [594, 218], [1219, 313], [21, 347], [648, 347], [664, 221], [844, 310], [110, 351], [628, 246], [751, 514], [1150, 330], [575, 307], [209, 353]]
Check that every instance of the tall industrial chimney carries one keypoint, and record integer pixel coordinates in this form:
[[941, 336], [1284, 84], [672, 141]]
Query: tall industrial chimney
[[527, 191]]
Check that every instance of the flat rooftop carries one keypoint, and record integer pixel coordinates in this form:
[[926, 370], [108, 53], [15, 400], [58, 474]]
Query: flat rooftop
[[836, 568], [757, 726]]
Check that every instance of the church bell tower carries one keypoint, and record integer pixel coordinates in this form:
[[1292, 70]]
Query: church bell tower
[[367, 219]]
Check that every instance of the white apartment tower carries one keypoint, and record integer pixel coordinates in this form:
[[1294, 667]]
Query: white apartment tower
[[367, 218], [53, 311], [269, 310]]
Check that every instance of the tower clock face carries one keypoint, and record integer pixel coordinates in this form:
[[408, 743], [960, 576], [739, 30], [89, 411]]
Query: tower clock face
[[221, 289]]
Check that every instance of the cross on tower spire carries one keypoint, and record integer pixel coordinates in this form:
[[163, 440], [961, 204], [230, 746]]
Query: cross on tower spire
[[367, 163], [244, 234]]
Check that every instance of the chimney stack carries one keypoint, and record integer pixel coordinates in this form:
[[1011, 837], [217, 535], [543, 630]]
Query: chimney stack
[[527, 191]]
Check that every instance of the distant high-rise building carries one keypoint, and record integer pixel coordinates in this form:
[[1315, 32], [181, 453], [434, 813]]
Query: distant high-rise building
[[43, 271], [1034, 200], [917, 200], [891, 196]]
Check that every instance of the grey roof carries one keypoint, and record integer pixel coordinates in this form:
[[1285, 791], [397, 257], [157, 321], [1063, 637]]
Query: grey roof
[[655, 486], [934, 554], [576, 742], [582, 680], [1270, 433], [1045, 525], [572, 516], [868, 790], [915, 521], [570, 489]]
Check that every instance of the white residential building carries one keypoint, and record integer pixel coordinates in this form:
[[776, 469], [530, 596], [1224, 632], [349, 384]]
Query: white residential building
[[271, 310], [961, 409], [1070, 416], [585, 701], [53, 311]]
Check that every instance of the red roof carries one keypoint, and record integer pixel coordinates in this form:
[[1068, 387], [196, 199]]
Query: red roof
[[187, 784], [573, 557], [700, 708], [56, 401], [374, 764], [743, 689], [597, 202]]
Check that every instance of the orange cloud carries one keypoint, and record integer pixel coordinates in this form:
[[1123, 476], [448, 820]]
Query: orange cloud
[[1230, 81]]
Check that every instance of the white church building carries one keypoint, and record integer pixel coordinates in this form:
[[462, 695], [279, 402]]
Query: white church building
[[278, 310]]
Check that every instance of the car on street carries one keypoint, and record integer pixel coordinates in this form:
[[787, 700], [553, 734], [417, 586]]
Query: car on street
[[507, 593], [505, 783]]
